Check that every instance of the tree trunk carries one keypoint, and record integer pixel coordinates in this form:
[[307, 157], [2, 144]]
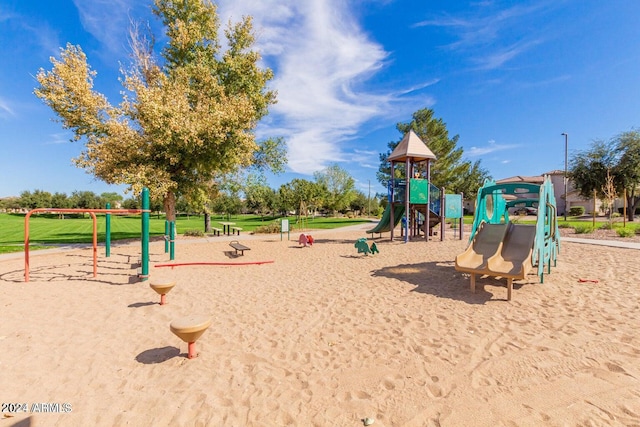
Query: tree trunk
[[207, 222], [170, 206], [632, 205]]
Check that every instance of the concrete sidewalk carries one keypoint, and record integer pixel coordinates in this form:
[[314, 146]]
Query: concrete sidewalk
[[611, 243]]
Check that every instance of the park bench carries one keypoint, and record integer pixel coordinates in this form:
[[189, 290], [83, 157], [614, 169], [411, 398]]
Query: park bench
[[216, 231], [235, 230], [239, 247]]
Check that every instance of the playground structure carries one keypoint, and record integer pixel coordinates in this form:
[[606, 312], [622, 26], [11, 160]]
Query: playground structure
[[501, 248], [144, 271], [417, 201]]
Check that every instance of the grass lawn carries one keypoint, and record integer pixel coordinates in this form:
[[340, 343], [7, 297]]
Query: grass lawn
[[571, 222], [49, 229]]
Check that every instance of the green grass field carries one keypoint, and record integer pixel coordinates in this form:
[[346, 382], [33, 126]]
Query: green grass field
[[49, 229]]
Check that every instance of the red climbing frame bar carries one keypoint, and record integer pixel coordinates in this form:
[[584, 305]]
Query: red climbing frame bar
[[91, 212]]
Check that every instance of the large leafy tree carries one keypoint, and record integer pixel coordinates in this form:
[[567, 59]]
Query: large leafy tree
[[185, 119], [449, 170], [259, 197], [339, 185], [37, 199], [299, 192], [619, 159]]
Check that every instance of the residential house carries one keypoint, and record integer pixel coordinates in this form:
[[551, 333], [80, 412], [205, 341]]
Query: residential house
[[573, 197]]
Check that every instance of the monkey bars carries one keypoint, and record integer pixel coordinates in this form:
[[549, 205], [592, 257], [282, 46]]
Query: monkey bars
[[91, 212]]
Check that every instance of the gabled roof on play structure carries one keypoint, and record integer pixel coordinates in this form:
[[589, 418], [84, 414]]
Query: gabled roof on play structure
[[411, 147], [519, 178]]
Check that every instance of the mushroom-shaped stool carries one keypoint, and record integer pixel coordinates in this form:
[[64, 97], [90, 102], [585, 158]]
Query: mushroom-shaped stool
[[163, 289], [189, 329]]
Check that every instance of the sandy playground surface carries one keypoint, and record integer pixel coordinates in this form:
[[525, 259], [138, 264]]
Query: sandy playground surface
[[323, 336]]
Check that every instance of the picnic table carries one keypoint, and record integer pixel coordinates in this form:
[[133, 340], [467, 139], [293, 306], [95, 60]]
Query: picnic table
[[226, 227]]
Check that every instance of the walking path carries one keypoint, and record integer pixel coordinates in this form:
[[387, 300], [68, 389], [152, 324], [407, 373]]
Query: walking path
[[612, 243]]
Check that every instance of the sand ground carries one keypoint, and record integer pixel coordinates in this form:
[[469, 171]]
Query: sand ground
[[323, 336]]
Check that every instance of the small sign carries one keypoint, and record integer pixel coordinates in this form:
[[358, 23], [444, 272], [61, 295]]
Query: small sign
[[285, 226], [453, 206]]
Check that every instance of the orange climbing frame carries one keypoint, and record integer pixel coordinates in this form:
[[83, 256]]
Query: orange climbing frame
[[91, 212]]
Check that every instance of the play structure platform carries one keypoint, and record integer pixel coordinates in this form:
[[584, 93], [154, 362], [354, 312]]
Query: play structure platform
[[501, 248]]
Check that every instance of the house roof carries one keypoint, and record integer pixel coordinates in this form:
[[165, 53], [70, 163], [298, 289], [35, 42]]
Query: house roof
[[411, 147]]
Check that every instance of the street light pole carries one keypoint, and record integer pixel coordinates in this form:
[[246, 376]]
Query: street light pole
[[566, 146], [369, 199]]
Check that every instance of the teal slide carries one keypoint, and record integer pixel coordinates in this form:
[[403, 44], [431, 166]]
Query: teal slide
[[383, 225]]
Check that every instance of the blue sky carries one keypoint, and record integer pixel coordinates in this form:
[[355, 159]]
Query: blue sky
[[508, 77]]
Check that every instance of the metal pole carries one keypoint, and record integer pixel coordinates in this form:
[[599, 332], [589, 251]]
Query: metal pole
[[442, 212], [145, 235], [624, 208], [369, 199], [594, 208], [107, 237], [166, 237], [172, 238], [461, 215], [407, 213], [566, 146]]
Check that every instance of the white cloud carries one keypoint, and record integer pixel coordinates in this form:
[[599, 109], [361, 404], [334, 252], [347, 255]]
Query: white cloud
[[5, 109], [321, 59], [481, 30], [497, 59], [109, 20], [491, 147], [59, 138], [36, 32]]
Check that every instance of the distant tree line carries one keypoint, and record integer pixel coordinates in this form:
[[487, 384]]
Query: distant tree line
[[331, 192]]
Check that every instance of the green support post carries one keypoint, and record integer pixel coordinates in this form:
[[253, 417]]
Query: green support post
[[107, 238], [172, 238], [145, 235], [166, 237]]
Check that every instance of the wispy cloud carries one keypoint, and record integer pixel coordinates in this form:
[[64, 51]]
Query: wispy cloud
[[58, 138], [322, 60], [34, 32], [491, 147], [113, 31], [497, 59], [482, 31], [5, 109]]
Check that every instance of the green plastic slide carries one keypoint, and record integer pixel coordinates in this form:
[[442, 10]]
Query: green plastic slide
[[383, 225]]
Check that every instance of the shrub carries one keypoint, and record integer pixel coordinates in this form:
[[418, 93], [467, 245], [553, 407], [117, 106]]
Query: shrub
[[625, 232], [606, 226], [584, 229], [564, 225], [576, 211], [272, 227], [194, 233]]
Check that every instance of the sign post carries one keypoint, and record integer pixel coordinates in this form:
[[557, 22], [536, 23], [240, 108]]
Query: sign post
[[284, 227]]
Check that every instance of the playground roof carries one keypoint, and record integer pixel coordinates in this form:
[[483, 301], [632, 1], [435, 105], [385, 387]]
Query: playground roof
[[411, 147], [519, 178]]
